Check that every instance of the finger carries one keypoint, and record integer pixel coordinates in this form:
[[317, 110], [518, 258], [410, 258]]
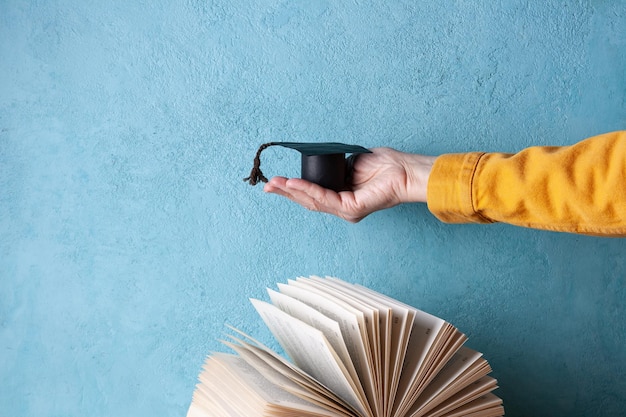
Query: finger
[[316, 198], [276, 190], [308, 199], [322, 199], [318, 193], [277, 185], [305, 193]]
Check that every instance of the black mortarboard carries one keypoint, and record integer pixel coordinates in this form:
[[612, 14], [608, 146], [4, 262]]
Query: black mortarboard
[[322, 163]]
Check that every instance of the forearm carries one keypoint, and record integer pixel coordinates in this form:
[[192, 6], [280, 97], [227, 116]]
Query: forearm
[[579, 188]]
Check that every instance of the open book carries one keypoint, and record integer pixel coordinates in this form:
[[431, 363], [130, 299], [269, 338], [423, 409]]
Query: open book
[[353, 352]]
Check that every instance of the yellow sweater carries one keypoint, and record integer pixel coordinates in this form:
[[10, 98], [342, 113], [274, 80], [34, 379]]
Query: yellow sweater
[[579, 188]]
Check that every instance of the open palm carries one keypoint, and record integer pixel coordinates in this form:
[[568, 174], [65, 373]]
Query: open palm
[[380, 180]]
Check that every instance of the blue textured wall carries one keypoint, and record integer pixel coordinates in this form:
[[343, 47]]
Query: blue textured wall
[[128, 237]]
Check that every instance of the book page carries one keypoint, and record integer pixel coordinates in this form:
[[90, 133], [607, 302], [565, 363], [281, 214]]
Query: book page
[[234, 392], [465, 367], [350, 321], [371, 315], [471, 393], [487, 405], [314, 318], [206, 399], [399, 329], [310, 350], [221, 392], [318, 392], [271, 394], [431, 343], [449, 341], [322, 297], [376, 316], [290, 380], [292, 372], [282, 365]]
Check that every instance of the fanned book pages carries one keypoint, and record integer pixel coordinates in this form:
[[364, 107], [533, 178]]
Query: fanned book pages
[[352, 352]]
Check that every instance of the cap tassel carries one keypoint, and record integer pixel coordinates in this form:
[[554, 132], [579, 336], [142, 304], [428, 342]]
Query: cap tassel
[[256, 175]]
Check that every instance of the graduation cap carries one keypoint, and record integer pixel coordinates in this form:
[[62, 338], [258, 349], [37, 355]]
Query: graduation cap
[[322, 163]]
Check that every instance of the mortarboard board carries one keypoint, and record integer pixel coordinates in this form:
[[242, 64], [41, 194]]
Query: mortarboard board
[[322, 163]]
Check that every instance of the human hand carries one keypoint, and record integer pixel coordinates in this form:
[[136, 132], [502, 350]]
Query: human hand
[[382, 179]]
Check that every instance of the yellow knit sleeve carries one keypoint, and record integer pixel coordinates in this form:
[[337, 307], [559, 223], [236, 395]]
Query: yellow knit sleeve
[[579, 188]]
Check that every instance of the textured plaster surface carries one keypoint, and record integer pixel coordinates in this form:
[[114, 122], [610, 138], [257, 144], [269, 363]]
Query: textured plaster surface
[[128, 240]]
